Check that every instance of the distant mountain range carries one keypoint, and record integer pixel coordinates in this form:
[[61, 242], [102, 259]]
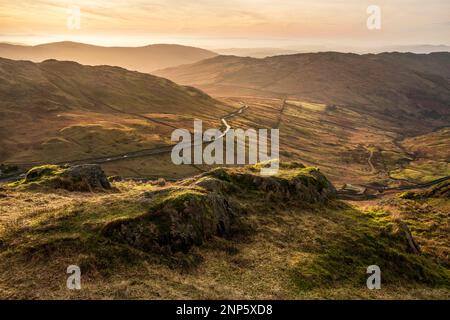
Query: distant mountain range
[[269, 52], [142, 59], [390, 82], [424, 48], [256, 52], [160, 56]]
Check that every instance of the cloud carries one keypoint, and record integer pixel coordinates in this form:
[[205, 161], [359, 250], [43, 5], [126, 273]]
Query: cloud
[[231, 18]]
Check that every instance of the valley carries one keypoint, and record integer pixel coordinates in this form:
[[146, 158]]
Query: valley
[[87, 179]]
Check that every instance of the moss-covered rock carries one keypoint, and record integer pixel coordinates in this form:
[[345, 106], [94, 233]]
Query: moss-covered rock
[[88, 177], [293, 182], [41, 173], [191, 212], [177, 221]]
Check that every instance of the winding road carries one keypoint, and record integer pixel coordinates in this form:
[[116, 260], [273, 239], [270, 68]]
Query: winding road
[[369, 161], [128, 155], [342, 194]]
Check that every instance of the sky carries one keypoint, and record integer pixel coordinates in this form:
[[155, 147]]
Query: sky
[[293, 24]]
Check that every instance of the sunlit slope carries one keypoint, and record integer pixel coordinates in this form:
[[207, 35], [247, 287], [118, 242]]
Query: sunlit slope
[[351, 145], [388, 83], [60, 111]]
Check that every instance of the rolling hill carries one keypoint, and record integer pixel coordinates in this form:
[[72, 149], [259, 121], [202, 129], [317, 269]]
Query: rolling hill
[[60, 111], [391, 83], [142, 59]]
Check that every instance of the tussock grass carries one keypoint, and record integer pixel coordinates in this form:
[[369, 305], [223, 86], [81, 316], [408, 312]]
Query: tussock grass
[[286, 249]]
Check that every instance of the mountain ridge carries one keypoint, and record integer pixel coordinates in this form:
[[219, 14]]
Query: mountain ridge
[[143, 59], [62, 110], [404, 82]]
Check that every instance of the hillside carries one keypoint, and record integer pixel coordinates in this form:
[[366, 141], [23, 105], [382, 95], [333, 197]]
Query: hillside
[[393, 83], [225, 234], [55, 112], [142, 59], [60, 111]]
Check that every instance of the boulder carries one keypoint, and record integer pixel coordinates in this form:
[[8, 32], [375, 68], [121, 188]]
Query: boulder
[[178, 221], [83, 178], [87, 176]]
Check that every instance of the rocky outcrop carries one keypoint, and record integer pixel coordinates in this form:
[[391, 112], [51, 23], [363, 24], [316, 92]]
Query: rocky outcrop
[[181, 220], [83, 178], [301, 184], [211, 204], [86, 177]]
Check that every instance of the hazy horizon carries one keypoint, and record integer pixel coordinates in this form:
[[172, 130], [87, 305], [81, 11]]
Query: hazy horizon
[[414, 48], [288, 24]]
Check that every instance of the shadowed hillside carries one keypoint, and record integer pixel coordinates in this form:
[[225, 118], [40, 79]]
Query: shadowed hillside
[[143, 59], [59, 85], [388, 82], [60, 111]]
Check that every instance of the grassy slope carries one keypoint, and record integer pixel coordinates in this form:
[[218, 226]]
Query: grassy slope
[[73, 120], [279, 249], [60, 85], [414, 84], [340, 141], [431, 154], [61, 111]]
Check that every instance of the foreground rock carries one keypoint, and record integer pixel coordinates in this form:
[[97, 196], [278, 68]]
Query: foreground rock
[[83, 178], [191, 212]]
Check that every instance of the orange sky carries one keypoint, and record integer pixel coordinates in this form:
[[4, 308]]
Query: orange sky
[[231, 23]]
